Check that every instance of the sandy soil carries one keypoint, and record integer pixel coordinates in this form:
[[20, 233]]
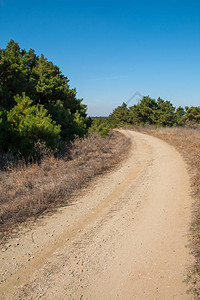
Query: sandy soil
[[125, 237]]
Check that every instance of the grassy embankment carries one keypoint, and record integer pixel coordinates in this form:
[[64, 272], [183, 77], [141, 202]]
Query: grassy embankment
[[187, 142], [29, 190]]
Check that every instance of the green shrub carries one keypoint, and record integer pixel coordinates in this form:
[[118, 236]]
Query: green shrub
[[29, 123], [100, 125]]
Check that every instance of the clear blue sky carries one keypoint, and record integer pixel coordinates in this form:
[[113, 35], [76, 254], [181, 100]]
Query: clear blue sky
[[111, 49]]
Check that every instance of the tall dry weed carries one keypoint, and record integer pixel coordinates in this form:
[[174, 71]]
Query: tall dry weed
[[28, 190]]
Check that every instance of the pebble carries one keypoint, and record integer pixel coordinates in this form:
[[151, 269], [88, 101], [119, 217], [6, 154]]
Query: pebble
[[31, 257]]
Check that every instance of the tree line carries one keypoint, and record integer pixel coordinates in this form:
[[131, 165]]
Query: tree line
[[148, 111]]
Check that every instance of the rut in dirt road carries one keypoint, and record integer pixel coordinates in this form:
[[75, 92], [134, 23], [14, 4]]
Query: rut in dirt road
[[125, 238]]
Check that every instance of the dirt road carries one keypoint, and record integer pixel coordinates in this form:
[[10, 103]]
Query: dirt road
[[125, 237]]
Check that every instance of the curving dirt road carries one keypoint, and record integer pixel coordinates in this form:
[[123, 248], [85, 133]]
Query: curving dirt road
[[125, 238]]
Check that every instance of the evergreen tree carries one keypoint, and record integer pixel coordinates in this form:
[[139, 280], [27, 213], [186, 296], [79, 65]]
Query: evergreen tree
[[120, 115], [165, 113], [143, 113], [44, 83], [180, 113], [150, 112], [192, 114]]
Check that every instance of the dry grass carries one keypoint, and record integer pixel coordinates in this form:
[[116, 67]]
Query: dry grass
[[28, 191], [187, 142]]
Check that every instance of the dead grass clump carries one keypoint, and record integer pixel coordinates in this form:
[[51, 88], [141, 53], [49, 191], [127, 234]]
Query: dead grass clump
[[28, 190], [187, 141]]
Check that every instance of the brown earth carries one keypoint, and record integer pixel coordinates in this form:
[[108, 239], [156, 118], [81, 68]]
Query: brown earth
[[126, 236]]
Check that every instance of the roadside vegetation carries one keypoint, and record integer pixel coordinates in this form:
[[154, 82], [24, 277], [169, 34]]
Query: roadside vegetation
[[27, 190]]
